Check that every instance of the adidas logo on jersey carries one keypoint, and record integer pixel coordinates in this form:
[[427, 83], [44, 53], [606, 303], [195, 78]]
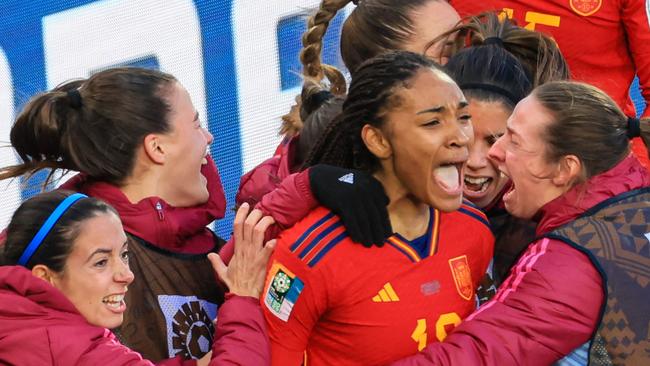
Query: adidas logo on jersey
[[386, 294], [348, 178]]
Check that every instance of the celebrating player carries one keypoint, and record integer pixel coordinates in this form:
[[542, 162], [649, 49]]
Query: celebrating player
[[335, 301]]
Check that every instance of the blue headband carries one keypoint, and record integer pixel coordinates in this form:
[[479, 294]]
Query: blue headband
[[47, 227]]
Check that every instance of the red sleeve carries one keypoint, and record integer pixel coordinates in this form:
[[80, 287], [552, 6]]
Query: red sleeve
[[290, 202], [108, 351], [289, 330], [635, 18], [546, 308], [287, 204], [240, 335]]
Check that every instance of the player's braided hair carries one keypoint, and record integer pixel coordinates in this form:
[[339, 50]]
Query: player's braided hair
[[372, 91], [538, 53], [313, 70], [373, 27]]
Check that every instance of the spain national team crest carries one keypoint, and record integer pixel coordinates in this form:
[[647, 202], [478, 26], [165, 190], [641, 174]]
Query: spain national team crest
[[462, 276], [585, 7]]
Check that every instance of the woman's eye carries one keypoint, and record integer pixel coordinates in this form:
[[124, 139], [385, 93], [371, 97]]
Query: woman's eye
[[101, 263], [465, 118], [125, 256], [431, 123]]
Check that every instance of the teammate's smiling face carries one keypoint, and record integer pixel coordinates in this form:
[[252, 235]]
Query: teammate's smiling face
[[427, 134], [96, 273], [483, 180]]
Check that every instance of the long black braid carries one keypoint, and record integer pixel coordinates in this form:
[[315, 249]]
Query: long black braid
[[373, 85]]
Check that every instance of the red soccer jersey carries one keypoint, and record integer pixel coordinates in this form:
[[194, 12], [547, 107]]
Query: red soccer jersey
[[337, 303], [605, 42]]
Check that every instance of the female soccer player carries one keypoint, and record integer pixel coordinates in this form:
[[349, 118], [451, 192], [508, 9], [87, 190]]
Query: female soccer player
[[407, 123]]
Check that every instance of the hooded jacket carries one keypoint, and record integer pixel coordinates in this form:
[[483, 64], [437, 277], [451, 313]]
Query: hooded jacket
[[268, 175], [171, 240], [551, 302], [40, 326]]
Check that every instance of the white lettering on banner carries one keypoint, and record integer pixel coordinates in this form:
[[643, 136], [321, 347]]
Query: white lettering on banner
[[261, 99], [9, 189], [106, 33]]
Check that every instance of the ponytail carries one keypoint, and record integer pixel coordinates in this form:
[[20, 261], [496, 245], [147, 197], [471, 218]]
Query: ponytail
[[94, 126]]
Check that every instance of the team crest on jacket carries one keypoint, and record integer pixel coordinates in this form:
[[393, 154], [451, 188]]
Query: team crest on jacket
[[585, 7], [462, 276], [282, 291], [190, 325]]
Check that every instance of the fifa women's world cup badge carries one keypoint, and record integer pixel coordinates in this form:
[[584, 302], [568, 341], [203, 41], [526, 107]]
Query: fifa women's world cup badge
[[282, 291], [585, 7]]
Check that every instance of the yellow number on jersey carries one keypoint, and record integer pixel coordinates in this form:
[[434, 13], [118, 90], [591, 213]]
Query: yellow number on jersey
[[533, 18], [447, 319], [419, 334]]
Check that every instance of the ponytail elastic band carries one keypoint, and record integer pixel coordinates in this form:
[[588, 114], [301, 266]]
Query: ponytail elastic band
[[493, 40], [491, 88], [74, 97], [47, 227], [633, 127]]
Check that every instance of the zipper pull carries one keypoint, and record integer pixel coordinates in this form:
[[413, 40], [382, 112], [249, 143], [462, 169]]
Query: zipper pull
[[159, 208]]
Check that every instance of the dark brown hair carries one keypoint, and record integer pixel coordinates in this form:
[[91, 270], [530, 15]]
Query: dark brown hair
[[586, 123], [372, 28], [57, 245], [96, 131], [371, 93], [537, 52], [489, 73]]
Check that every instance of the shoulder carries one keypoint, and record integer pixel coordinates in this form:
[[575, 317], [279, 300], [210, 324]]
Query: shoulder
[[313, 238], [469, 216], [259, 181], [552, 268]]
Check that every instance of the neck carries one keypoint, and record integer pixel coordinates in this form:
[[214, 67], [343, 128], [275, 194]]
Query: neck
[[408, 216], [145, 181]]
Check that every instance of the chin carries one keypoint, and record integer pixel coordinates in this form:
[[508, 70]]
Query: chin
[[448, 204], [109, 322]]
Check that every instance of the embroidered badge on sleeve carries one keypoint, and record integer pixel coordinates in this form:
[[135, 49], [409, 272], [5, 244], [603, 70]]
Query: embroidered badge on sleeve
[[282, 291]]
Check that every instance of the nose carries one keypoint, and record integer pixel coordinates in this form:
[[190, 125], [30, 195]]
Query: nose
[[496, 152], [477, 155], [462, 134], [123, 273], [208, 135]]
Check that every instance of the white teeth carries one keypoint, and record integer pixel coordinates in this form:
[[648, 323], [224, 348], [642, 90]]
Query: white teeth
[[114, 299], [471, 180], [448, 175]]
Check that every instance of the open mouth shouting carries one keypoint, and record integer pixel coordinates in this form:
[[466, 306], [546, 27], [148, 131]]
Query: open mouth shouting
[[477, 186], [449, 177]]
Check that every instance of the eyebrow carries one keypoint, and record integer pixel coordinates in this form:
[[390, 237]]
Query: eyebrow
[[98, 251], [432, 110], [439, 109], [511, 131], [105, 251]]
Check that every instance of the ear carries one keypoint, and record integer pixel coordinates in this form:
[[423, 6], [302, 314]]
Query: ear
[[153, 148], [376, 142], [569, 171], [43, 272]]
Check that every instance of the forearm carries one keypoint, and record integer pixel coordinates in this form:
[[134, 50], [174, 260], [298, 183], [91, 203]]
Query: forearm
[[240, 335]]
